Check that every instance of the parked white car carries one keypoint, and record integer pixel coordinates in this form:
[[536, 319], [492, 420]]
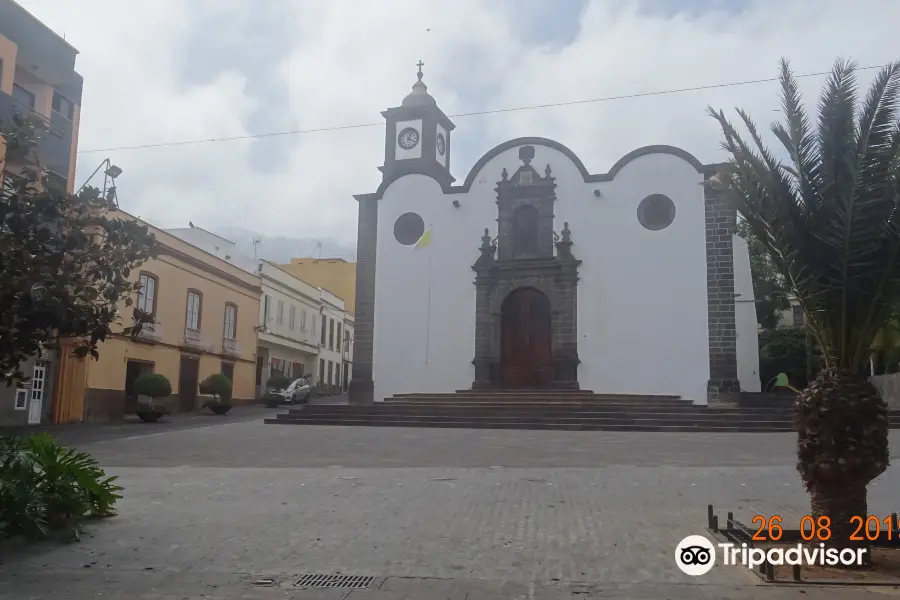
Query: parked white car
[[298, 391]]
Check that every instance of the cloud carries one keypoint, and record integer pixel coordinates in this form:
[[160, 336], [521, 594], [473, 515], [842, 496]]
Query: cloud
[[172, 70]]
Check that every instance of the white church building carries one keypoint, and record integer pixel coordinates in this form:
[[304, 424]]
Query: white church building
[[536, 273]]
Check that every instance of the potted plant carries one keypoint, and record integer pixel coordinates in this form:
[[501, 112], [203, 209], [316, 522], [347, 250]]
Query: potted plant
[[275, 387], [218, 386], [150, 387]]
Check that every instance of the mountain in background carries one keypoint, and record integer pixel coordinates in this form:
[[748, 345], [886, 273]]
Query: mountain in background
[[281, 249]]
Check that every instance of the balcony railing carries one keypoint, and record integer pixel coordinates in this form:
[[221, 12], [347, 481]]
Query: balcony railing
[[231, 347], [194, 340], [55, 144], [150, 333]]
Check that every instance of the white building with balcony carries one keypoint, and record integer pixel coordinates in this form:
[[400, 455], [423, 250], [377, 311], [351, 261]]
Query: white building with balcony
[[347, 351], [331, 339], [289, 324]]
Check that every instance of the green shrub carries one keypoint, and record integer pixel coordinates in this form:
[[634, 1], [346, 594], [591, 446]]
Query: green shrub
[[45, 487], [217, 385], [784, 351], [278, 382], [155, 385]]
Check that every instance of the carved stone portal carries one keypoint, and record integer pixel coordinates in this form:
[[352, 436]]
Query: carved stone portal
[[526, 330]]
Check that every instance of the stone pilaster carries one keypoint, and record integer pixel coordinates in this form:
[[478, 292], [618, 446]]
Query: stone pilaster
[[484, 334], [721, 222], [362, 386]]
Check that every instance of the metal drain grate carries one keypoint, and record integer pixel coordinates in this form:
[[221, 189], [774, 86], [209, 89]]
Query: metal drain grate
[[350, 582]]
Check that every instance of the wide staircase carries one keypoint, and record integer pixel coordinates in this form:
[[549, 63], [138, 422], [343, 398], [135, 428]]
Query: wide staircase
[[579, 410]]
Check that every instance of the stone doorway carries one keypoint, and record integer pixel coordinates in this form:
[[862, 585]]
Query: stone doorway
[[526, 355], [526, 289]]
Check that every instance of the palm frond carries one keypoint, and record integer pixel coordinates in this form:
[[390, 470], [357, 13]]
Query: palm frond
[[878, 156], [799, 142], [757, 184], [830, 219], [837, 136]]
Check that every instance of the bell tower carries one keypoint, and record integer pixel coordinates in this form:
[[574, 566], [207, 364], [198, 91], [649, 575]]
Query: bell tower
[[417, 137]]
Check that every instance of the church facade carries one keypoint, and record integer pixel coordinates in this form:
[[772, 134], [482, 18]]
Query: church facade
[[536, 273]]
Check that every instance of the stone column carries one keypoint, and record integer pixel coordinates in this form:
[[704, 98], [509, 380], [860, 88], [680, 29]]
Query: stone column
[[565, 323], [362, 387], [484, 332], [721, 222]]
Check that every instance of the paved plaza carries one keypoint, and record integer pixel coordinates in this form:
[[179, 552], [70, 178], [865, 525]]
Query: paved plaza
[[233, 508]]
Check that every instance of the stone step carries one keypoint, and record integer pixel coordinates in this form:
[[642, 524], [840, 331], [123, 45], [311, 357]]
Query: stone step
[[504, 394], [547, 391], [575, 425], [535, 399], [541, 412], [555, 406], [572, 410], [673, 419]]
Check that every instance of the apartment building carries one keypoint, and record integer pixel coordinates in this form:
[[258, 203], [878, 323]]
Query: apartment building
[[333, 274], [37, 78], [205, 322], [793, 316], [331, 335], [289, 317], [347, 351]]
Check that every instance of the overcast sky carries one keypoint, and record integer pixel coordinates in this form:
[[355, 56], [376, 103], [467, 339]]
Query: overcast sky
[[173, 70]]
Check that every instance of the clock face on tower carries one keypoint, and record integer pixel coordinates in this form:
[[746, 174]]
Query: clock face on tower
[[408, 138], [441, 144]]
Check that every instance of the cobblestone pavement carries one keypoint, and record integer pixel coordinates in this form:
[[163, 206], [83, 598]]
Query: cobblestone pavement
[[440, 513], [132, 426]]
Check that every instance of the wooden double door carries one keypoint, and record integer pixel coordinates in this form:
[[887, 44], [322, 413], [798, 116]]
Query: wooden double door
[[188, 383], [526, 353]]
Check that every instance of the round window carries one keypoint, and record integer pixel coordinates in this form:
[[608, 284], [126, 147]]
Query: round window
[[656, 212], [408, 228]]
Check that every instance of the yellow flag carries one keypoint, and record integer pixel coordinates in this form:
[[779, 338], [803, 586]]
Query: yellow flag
[[424, 241]]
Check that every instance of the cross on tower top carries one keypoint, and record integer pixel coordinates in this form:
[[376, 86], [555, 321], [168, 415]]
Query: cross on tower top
[[420, 64]]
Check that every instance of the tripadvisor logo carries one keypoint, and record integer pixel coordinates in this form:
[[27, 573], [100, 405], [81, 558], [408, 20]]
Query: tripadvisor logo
[[695, 555]]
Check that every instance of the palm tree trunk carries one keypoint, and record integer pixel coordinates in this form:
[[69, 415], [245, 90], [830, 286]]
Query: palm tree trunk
[[840, 505], [842, 445]]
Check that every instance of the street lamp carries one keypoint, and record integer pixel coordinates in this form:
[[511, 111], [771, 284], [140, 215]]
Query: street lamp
[[113, 171], [110, 173]]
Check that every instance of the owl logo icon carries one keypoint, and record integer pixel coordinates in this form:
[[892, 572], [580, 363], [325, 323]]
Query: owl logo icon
[[695, 555]]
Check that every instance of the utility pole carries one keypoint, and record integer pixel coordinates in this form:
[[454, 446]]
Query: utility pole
[[319, 245]]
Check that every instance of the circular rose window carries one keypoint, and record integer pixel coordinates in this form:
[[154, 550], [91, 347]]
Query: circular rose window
[[656, 212], [408, 228]]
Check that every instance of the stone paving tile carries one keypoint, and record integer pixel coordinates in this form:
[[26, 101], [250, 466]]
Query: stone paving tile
[[255, 444], [131, 426], [559, 510], [465, 590], [613, 524]]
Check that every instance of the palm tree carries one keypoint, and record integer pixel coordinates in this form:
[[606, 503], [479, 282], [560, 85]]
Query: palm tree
[[829, 219]]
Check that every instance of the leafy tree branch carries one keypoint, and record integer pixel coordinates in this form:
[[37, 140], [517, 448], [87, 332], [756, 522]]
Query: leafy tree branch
[[65, 260]]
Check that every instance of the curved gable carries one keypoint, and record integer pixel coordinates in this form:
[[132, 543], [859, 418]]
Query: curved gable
[[588, 177], [541, 141]]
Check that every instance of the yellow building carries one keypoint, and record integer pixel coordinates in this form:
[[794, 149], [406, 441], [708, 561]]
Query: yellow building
[[334, 274], [206, 312]]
